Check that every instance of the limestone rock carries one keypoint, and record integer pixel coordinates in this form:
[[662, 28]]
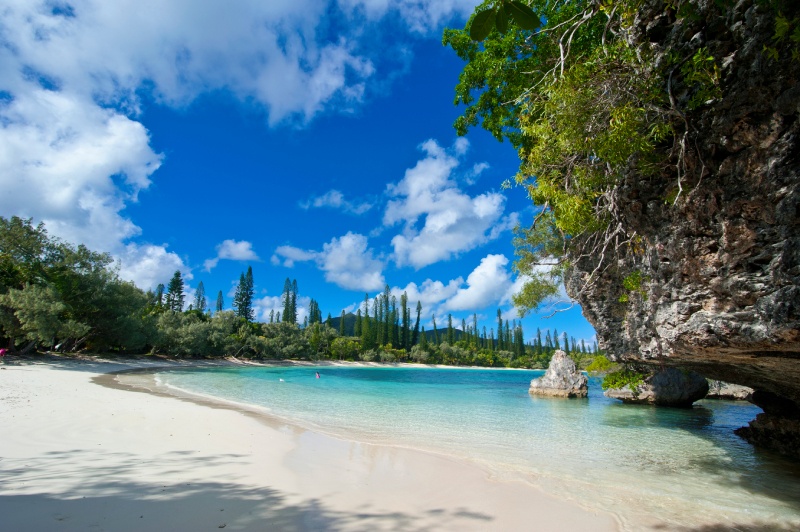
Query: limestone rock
[[562, 379], [668, 387], [720, 262], [728, 391]]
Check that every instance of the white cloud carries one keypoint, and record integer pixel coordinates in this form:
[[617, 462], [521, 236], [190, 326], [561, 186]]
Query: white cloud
[[291, 254], [336, 200], [421, 16], [347, 262], [232, 250], [439, 220], [488, 283], [72, 153], [149, 265]]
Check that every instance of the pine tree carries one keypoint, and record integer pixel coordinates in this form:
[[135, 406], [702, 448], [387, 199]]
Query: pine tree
[[500, 345], [287, 299], [160, 295], [243, 298], [423, 340], [405, 327], [175, 293], [294, 301], [435, 332], [220, 301], [451, 335], [415, 337], [342, 329], [200, 297], [272, 316], [358, 326]]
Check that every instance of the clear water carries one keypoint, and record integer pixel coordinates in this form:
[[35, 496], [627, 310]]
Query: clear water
[[680, 468]]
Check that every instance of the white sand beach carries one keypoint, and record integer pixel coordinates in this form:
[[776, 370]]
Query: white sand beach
[[78, 455]]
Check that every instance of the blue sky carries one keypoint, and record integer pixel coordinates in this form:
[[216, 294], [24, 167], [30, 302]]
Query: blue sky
[[308, 139]]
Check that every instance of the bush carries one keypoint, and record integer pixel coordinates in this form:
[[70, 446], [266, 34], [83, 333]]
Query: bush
[[600, 364], [622, 378], [368, 356]]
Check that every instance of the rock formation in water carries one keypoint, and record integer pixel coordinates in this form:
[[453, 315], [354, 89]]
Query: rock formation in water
[[562, 379], [720, 266], [667, 387], [728, 391]]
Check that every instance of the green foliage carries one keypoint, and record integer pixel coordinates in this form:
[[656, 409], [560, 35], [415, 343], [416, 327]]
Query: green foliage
[[633, 284], [600, 364], [344, 348], [174, 300], [702, 72], [622, 378], [243, 297]]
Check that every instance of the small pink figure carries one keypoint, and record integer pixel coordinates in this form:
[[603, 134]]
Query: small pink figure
[[2, 353], [318, 374]]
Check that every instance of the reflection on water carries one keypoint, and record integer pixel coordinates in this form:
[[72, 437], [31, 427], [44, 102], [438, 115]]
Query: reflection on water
[[680, 467]]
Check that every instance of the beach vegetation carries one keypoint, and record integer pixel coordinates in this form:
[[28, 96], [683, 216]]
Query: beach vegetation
[[63, 298], [627, 376]]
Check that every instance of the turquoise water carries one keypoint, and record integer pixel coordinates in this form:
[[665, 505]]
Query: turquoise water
[[647, 465]]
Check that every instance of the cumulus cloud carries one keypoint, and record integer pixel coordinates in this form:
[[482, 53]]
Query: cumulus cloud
[[72, 152], [149, 265], [232, 250], [488, 284], [288, 255], [336, 200], [347, 261], [439, 219]]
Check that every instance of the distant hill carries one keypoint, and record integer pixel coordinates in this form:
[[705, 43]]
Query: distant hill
[[350, 327]]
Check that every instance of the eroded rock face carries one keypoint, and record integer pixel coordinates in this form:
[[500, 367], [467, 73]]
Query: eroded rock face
[[720, 268], [669, 387], [562, 379], [728, 391]]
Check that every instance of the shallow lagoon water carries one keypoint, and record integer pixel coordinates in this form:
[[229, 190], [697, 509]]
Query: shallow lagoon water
[[680, 468]]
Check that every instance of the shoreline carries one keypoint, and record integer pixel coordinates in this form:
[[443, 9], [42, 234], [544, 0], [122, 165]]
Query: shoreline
[[311, 480]]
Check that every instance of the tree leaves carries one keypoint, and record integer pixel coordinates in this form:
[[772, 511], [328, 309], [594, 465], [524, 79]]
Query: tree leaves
[[523, 15], [505, 10], [482, 25], [501, 19]]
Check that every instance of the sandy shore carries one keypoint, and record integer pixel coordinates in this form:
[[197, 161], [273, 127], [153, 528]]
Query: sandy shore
[[78, 455]]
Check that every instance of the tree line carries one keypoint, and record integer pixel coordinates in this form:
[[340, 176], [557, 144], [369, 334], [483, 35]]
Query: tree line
[[58, 297]]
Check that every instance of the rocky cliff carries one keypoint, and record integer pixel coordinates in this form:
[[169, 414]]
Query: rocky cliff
[[717, 265]]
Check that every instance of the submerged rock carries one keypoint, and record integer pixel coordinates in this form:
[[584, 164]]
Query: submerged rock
[[668, 387], [726, 390], [562, 379]]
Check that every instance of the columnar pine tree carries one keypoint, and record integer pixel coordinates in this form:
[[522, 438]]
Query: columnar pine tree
[[220, 301], [160, 295], [500, 345], [294, 300], [451, 335], [287, 299], [243, 298], [342, 329], [415, 337], [200, 297], [175, 293], [405, 335], [358, 326]]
